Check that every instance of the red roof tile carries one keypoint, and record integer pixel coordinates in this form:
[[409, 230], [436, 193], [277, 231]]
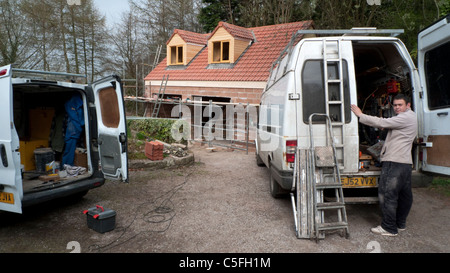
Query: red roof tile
[[254, 64], [191, 37], [235, 31]]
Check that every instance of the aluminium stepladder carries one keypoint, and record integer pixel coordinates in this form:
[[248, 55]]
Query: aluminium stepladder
[[325, 175], [316, 169]]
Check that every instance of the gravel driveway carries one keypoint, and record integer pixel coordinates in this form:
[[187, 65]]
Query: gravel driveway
[[220, 203]]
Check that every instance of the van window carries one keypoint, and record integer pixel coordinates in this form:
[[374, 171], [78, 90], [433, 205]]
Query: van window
[[437, 68], [109, 107], [313, 91]]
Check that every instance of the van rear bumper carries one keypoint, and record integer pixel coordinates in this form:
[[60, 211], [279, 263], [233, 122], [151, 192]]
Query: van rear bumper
[[284, 178], [34, 198]]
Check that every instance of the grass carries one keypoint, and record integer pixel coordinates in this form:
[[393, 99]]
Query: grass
[[442, 185]]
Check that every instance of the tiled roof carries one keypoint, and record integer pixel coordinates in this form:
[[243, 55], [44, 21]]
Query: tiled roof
[[235, 31], [253, 65], [191, 37]]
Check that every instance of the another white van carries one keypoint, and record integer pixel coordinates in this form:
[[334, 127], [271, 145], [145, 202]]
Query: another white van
[[33, 122], [327, 75]]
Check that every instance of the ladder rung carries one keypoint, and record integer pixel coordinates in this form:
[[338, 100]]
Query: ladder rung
[[334, 102], [331, 205], [332, 60], [332, 225], [335, 124], [361, 200], [321, 186], [334, 80]]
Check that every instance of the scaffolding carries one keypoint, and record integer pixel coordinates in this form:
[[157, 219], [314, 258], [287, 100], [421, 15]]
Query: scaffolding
[[141, 72], [236, 132]]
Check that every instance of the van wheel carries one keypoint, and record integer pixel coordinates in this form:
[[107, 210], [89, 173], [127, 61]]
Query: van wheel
[[275, 190], [259, 161]]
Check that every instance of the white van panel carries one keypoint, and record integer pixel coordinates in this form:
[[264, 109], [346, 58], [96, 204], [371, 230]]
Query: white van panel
[[434, 69], [112, 132], [11, 192]]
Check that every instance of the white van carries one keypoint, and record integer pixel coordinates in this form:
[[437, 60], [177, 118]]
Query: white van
[[32, 120], [374, 69]]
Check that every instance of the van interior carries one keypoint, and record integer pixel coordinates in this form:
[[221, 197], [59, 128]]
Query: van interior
[[40, 120], [381, 73]]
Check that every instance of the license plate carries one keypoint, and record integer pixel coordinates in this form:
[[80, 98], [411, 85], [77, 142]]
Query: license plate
[[349, 182], [6, 197]]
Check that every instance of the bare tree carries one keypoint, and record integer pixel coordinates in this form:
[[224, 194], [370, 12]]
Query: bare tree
[[126, 43], [42, 26], [13, 33]]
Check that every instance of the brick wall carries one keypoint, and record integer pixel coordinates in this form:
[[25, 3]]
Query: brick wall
[[237, 95]]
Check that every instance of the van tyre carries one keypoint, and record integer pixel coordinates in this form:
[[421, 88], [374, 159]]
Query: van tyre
[[259, 161], [275, 190]]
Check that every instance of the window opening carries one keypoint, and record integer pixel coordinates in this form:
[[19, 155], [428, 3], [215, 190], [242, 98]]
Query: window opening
[[437, 67], [176, 55], [313, 89], [221, 52]]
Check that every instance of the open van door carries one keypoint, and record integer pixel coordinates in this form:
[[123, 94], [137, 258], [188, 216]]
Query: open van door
[[112, 131], [434, 69], [11, 191]]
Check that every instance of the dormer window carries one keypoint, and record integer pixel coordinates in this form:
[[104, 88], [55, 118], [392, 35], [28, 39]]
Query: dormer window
[[221, 52], [227, 43], [176, 55], [183, 46]]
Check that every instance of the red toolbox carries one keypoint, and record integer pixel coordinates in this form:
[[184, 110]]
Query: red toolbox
[[100, 219]]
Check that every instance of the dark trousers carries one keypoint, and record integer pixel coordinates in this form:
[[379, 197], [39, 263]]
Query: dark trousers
[[395, 195]]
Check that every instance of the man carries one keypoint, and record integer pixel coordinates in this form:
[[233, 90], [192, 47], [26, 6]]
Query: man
[[394, 187]]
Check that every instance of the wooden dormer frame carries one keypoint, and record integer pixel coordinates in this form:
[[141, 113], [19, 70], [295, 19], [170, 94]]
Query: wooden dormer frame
[[181, 52], [234, 49]]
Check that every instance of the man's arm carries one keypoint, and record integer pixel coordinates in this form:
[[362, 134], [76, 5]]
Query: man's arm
[[356, 110], [387, 123]]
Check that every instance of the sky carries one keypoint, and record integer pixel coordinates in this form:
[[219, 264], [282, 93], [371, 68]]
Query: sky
[[113, 9]]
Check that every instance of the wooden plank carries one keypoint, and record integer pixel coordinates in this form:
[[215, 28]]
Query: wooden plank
[[438, 154]]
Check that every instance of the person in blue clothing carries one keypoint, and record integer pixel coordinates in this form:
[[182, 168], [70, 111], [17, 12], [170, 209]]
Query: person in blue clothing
[[75, 124]]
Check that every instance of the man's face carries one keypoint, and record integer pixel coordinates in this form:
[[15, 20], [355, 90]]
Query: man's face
[[400, 106]]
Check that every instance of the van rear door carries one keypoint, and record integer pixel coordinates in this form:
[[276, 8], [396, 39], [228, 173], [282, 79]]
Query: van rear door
[[112, 132], [321, 93], [434, 69], [11, 191]]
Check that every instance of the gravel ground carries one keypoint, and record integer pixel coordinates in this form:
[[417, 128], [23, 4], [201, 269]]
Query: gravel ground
[[219, 204]]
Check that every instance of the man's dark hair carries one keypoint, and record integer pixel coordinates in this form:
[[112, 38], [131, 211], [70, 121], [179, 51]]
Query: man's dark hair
[[402, 97]]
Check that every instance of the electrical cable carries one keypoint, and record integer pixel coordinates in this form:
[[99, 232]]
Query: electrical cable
[[164, 212]]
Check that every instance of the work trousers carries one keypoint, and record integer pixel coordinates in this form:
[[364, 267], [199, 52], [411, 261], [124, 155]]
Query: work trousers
[[73, 133], [69, 152], [395, 195]]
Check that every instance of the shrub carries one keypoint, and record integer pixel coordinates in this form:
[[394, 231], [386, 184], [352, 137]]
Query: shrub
[[154, 129]]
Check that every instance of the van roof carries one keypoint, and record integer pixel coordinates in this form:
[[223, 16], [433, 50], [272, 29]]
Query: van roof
[[48, 75], [356, 31]]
